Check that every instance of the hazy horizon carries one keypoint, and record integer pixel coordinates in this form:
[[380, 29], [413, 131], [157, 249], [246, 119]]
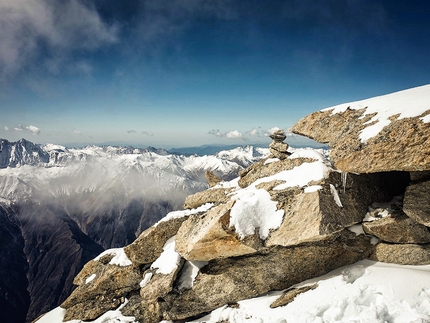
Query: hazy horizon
[[188, 73]]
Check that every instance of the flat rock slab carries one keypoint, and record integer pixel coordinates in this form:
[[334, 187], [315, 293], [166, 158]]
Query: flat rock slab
[[398, 229], [402, 254]]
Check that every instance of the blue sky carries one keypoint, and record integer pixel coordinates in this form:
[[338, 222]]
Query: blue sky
[[192, 72]]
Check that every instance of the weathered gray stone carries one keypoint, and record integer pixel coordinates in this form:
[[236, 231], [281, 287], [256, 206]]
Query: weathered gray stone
[[398, 229], [225, 281], [105, 292], [402, 254], [214, 195], [416, 203], [149, 245], [278, 136], [209, 236]]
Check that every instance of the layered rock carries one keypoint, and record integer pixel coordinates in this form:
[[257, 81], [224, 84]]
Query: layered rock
[[385, 133], [278, 147]]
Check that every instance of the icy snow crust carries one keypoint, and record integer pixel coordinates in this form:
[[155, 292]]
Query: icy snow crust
[[407, 103]]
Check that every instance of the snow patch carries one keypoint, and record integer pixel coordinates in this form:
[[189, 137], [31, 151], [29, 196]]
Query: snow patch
[[114, 316], [425, 119], [168, 260], [254, 210], [312, 188], [189, 273], [271, 160], [90, 279], [335, 194], [183, 213], [119, 259], [145, 280]]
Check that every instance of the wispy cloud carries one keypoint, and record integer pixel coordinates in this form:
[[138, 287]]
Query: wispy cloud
[[232, 134], [33, 129], [142, 132], [49, 32], [254, 132]]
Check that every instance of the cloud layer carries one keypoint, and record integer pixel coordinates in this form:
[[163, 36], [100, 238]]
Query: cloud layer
[[50, 31], [255, 132]]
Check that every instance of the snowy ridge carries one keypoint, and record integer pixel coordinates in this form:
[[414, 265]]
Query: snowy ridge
[[54, 170], [406, 104]]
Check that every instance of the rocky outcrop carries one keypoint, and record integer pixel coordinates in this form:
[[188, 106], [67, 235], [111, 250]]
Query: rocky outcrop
[[248, 243], [386, 133], [288, 218]]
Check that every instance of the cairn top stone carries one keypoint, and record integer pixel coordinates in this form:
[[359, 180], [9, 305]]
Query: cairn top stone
[[278, 135]]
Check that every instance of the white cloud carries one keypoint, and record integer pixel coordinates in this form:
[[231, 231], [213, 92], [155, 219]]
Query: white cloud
[[56, 29], [216, 133], [77, 132], [6, 128], [234, 134], [33, 129]]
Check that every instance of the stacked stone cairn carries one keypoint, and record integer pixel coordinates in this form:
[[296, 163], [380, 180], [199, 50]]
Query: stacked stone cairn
[[278, 147]]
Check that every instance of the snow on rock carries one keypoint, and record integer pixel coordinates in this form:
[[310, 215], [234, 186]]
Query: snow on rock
[[189, 274], [119, 257], [254, 209], [57, 315], [407, 103], [335, 194], [145, 280], [184, 213], [90, 278], [298, 176], [168, 260]]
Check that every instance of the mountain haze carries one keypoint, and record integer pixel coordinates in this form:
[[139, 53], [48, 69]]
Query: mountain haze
[[61, 207]]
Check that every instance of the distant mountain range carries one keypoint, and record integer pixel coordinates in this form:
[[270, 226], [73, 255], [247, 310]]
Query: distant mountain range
[[61, 207]]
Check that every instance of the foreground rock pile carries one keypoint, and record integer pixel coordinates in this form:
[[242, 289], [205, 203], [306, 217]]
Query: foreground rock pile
[[285, 219]]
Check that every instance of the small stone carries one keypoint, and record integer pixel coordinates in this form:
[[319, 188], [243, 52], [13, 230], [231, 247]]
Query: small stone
[[291, 294], [278, 135]]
